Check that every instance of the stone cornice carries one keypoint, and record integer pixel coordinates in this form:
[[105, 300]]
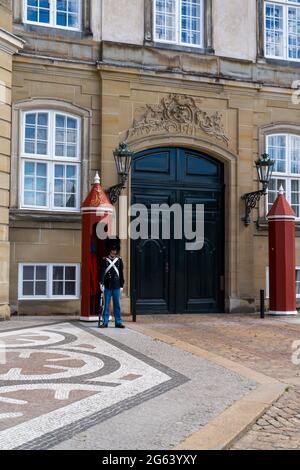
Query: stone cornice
[[10, 43], [172, 63]]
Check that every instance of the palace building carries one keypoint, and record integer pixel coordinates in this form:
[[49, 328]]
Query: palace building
[[199, 89]]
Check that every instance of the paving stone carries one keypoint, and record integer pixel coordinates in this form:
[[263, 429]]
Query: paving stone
[[263, 346]]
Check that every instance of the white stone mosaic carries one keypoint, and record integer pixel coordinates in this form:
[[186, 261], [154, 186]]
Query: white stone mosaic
[[62, 361]]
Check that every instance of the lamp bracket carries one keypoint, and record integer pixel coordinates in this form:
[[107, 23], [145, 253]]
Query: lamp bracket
[[114, 192], [251, 200]]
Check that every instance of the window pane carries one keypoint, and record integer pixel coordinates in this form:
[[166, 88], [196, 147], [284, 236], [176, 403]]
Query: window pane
[[70, 288], [41, 184], [41, 199], [294, 33], [41, 170], [295, 200], [298, 283], [61, 19], [165, 20], [34, 281], [36, 133], [28, 288], [295, 154], [41, 273], [71, 151], [29, 168], [38, 11], [70, 273], [41, 288], [277, 149], [64, 280], [29, 198], [65, 186], [59, 171], [58, 288], [58, 272], [28, 273], [274, 18], [71, 201], [273, 190], [191, 21], [71, 186], [30, 133], [31, 119], [71, 171], [29, 147], [66, 136], [59, 200], [59, 186], [67, 13], [29, 184], [35, 184]]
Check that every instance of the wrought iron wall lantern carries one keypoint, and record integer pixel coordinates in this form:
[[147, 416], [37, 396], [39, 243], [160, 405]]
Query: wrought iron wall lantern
[[264, 167], [123, 159]]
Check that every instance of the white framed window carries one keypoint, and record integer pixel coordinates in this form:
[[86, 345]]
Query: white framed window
[[285, 150], [65, 14], [50, 161], [179, 22], [297, 282], [282, 29], [49, 281]]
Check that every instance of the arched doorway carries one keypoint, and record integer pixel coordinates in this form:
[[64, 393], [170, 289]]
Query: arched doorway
[[165, 277]]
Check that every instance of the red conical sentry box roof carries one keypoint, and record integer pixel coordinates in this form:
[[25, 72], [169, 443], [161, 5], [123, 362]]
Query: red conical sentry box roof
[[97, 198], [281, 207]]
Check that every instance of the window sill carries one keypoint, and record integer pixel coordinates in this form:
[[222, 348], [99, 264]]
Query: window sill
[[279, 62], [54, 32], [179, 47], [44, 216], [262, 225], [50, 299]]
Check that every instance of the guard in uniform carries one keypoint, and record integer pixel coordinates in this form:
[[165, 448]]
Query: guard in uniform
[[112, 282]]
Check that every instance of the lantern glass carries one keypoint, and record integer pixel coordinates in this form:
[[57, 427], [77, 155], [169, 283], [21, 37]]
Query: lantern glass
[[264, 168], [123, 158]]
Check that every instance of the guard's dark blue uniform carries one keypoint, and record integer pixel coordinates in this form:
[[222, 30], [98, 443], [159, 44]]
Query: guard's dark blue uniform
[[112, 278]]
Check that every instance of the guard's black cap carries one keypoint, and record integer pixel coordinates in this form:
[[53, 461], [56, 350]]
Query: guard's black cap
[[112, 244]]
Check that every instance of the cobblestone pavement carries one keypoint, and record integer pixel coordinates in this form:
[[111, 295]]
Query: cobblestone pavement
[[263, 345], [278, 429], [68, 386]]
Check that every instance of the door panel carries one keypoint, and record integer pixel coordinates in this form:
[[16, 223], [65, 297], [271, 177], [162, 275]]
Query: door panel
[[151, 276], [167, 278], [200, 272], [198, 169], [155, 166]]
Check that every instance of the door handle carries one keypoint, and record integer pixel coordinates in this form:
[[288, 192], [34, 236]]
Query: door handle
[[167, 267]]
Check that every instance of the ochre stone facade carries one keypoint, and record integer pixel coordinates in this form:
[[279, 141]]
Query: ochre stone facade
[[107, 74]]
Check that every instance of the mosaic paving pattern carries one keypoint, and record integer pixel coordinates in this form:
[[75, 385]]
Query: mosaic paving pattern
[[57, 380]]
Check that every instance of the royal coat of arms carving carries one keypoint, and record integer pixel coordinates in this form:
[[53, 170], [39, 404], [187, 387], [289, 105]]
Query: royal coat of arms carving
[[178, 114]]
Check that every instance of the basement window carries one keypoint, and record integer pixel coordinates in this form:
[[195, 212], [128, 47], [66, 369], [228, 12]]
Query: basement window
[[49, 281]]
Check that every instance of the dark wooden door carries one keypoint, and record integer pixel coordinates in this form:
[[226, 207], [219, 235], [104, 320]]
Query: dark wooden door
[[166, 277]]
